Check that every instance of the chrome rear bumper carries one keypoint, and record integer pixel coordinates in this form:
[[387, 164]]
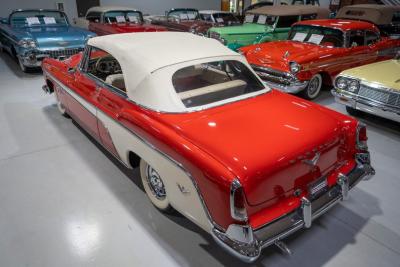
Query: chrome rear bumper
[[245, 243], [368, 106]]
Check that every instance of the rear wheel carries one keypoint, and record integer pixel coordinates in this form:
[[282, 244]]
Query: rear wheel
[[154, 187], [313, 88]]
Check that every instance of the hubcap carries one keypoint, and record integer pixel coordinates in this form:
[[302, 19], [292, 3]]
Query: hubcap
[[155, 183], [313, 86]]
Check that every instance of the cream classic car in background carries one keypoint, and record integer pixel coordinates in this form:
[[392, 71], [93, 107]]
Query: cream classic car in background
[[373, 88]]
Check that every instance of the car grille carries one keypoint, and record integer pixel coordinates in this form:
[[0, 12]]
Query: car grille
[[386, 97], [62, 53], [274, 76]]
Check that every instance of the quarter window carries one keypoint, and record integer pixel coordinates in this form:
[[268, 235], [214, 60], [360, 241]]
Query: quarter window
[[106, 68], [206, 83]]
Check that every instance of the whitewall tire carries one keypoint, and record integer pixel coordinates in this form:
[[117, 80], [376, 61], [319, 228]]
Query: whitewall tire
[[154, 187], [313, 88]]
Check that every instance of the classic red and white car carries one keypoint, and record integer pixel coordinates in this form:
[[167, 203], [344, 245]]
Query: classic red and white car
[[247, 164], [104, 20], [316, 51]]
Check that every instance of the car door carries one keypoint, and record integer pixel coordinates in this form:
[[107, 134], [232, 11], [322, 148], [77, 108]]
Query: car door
[[82, 98], [359, 52]]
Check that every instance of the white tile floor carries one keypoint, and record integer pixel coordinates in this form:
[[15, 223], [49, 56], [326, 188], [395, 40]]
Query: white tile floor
[[65, 202]]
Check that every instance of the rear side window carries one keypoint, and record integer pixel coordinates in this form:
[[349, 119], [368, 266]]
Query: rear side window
[[287, 21], [93, 16], [356, 38], [207, 83], [371, 37]]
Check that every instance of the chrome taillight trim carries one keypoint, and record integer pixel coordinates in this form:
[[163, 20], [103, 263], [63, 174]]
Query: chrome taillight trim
[[361, 145], [235, 185]]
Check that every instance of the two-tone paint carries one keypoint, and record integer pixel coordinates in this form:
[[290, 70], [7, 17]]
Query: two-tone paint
[[274, 154]]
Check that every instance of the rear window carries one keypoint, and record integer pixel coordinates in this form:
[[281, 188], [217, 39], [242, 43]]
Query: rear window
[[207, 83]]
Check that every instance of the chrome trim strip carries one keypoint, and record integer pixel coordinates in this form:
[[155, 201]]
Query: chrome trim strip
[[235, 185], [178, 164]]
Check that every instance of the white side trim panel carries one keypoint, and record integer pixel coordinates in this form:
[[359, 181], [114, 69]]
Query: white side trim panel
[[189, 204]]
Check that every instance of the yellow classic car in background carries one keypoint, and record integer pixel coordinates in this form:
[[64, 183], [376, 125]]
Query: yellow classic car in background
[[373, 88]]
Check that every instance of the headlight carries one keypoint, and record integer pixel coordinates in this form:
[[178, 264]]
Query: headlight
[[294, 67], [27, 43], [348, 84], [193, 31], [214, 35]]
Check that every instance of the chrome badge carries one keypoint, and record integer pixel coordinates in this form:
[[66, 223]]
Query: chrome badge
[[63, 43], [286, 54]]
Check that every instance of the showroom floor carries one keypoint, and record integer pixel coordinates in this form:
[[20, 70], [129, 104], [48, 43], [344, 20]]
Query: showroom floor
[[65, 202]]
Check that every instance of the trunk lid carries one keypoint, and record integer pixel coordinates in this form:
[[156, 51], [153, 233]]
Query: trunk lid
[[264, 140]]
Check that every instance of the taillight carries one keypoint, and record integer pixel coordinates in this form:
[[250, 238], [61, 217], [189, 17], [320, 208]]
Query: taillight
[[237, 202], [362, 137]]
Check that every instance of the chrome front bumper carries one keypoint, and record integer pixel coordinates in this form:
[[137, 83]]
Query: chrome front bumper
[[283, 81], [367, 105], [245, 243]]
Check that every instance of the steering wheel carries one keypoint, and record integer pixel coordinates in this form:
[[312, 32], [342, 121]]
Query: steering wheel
[[103, 65]]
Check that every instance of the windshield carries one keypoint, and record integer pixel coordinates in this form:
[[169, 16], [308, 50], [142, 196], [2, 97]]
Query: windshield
[[184, 14], [207, 83], [317, 35], [260, 19], [38, 18], [123, 17], [225, 18]]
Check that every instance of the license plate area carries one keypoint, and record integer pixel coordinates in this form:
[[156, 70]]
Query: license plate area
[[318, 187]]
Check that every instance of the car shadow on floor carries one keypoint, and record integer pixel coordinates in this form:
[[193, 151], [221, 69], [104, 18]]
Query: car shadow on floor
[[190, 245], [13, 65]]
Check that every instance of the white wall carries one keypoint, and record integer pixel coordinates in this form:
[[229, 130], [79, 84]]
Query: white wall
[[158, 7], [8, 5]]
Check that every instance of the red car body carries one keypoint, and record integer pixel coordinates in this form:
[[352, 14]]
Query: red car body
[[107, 28], [272, 60], [274, 145], [97, 21]]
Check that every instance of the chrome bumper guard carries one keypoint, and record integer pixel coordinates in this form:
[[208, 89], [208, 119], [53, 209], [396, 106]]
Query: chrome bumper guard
[[367, 105], [246, 244]]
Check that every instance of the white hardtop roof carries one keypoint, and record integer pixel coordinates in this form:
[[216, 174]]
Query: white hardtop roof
[[104, 9], [213, 12], [143, 56]]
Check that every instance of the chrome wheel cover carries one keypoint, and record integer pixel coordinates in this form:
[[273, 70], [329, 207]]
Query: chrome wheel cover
[[314, 86], [155, 183]]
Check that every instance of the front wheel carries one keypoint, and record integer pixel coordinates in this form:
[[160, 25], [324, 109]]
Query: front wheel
[[313, 88], [154, 186]]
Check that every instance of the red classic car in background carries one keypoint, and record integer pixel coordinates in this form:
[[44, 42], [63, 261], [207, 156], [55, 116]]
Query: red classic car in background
[[105, 20], [247, 164], [183, 20], [316, 51]]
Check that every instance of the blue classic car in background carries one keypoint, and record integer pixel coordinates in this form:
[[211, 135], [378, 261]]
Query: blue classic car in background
[[31, 35]]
